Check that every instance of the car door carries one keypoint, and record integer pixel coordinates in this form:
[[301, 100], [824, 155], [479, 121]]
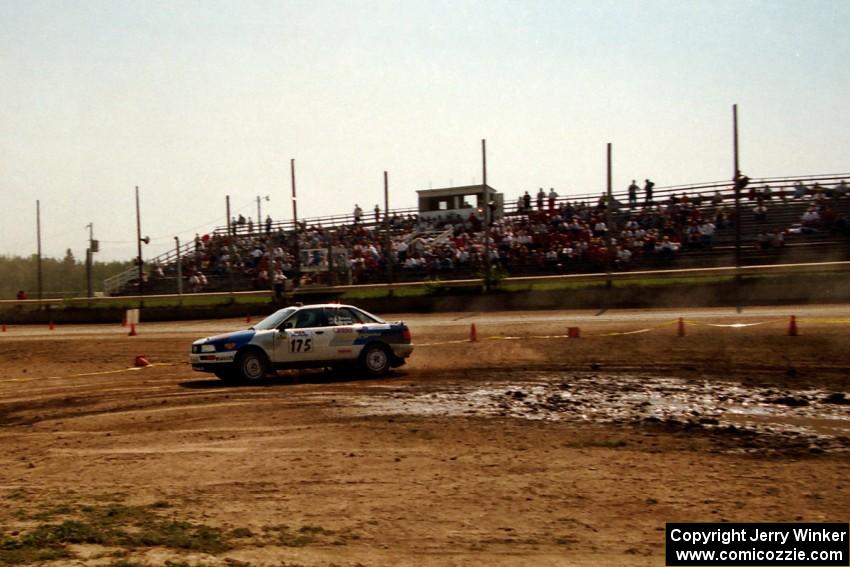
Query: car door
[[343, 326], [305, 337]]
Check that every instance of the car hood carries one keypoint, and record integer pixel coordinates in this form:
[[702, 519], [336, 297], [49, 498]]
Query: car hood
[[238, 337]]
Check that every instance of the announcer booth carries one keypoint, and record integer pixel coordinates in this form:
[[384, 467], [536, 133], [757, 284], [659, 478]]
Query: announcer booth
[[460, 201]]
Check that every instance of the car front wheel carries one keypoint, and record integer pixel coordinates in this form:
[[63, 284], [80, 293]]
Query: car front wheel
[[251, 366], [375, 359]]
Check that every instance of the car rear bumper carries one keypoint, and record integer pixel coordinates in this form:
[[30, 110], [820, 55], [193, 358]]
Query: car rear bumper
[[402, 351]]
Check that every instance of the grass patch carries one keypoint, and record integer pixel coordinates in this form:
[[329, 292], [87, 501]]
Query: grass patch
[[111, 525], [289, 537]]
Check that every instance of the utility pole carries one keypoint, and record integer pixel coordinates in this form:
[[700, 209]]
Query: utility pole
[[297, 262], [179, 266], [260, 211], [139, 243], [487, 273], [388, 252], [230, 235], [38, 237], [735, 179], [89, 259], [609, 205]]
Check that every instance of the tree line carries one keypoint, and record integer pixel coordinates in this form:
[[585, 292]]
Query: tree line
[[60, 278]]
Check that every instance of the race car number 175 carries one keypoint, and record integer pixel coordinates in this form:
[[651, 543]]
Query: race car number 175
[[300, 345]]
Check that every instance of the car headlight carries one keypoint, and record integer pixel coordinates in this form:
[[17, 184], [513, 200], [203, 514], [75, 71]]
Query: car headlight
[[207, 348]]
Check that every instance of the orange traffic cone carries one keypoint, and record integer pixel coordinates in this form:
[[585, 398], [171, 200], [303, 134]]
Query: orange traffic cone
[[792, 327], [141, 361], [133, 332], [473, 333], [51, 326], [573, 332], [680, 331]]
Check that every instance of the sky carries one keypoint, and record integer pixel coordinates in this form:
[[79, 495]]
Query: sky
[[195, 100]]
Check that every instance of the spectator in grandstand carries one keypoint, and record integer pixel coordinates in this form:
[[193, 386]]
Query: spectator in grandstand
[[268, 224], [666, 249], [624, 258], [358, 213], [717, 199], [553, 196], [377, 214], [707, 230], [633, 190], [799, 190], [526, 201], [811, 217], [541, 196], [600, 229], [647, 191], [21, 296], [279, 284], [760, 212]]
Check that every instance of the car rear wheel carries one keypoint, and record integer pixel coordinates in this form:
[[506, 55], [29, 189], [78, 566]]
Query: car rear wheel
[[375, 359], [251, 366]]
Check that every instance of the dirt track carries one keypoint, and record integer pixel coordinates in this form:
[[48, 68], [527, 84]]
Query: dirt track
[[500, 452]]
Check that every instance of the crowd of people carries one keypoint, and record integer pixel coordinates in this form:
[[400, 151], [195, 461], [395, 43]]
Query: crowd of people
[[544, 235]]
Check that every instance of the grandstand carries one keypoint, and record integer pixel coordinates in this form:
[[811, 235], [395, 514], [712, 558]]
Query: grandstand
[[684, 226]]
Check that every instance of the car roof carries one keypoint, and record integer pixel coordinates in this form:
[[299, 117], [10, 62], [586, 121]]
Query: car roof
[[314, 305]]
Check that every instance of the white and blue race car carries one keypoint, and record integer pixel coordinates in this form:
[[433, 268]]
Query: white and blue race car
[[306, 336]]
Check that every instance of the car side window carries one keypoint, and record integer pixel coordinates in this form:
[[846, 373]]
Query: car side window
[[343, 316], [308, 318], [351, 317]]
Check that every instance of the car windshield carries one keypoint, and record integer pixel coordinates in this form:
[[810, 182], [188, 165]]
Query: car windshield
[[274, 320]]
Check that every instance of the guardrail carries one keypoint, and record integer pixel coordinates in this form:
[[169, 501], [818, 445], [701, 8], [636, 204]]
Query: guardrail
[[775, 269]]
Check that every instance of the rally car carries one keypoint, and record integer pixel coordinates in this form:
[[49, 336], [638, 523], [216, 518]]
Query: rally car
[[327, 335]]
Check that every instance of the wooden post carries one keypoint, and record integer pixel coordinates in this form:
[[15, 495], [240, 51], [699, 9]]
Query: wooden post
[[38, 236]]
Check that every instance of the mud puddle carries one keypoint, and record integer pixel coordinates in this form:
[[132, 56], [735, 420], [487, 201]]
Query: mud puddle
[[815, 420]]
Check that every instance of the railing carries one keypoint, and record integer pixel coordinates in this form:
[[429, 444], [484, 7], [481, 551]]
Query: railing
[[660, 195]]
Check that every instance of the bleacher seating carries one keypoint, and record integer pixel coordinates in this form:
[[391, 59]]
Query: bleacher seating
[[525, 242]]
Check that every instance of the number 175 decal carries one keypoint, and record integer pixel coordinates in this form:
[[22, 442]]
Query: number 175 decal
[[301, 345]]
